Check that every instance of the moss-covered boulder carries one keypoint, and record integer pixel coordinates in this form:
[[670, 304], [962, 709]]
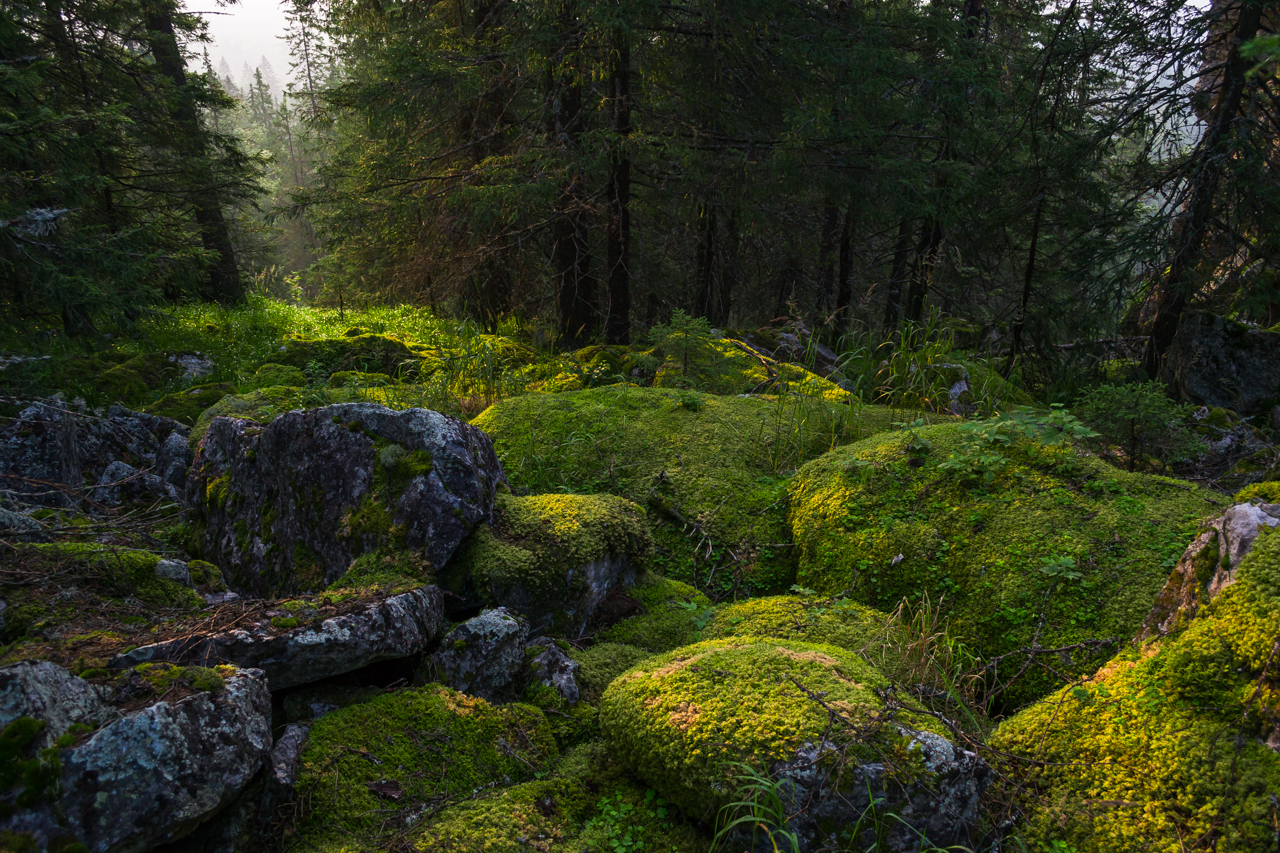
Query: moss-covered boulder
[[370, 769], [1173, 745], [819, 720], [288, 507], [370, 353], [711, 470], [187, 405], [555, 558], [272, 375], [600, 664], [1056, 548]]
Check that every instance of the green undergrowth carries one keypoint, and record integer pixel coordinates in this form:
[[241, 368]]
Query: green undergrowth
[[534, 557], [187, 405], [680, 720], [1056, 547], [672, 615], [600, 664], [711, 470], [1268, 492], [370, 768], [1163, 749]]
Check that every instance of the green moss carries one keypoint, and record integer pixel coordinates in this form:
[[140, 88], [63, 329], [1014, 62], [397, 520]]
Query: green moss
[[386, 572], [1168, 737], [531, 558], [271, 375], [600, 664], [266, 404], [307, 572], [187, 405], [670, 618], [429, 743], [571, 725], [369, 353], [206, 576], [721, 465], [1263, 492], [163, 676], [549, 812], [357, 379], [22, 766], [1054, 533], [681, 718], [129, 572]]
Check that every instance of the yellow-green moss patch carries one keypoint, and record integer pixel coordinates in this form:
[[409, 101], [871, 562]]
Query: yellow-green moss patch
[[187, 405], [1055, 535], [600, 664], [682, 718], [1163, 749], [673, 615]]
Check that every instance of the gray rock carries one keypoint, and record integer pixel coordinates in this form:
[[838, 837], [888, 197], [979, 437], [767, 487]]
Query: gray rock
[[15, 526], [48, 692], [286, 757], [1214, 361], [484, 655], [287, 507], [54, 441], [174, 570], [173, 460], [121, 482], [395, 627], [549, 665], [942, 804], [154, 775], [1221, 545]]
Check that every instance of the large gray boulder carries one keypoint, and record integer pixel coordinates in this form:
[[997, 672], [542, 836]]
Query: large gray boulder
[[154, 775], [1218, 362], [48, 692], [484, 655], [394, 627], [288, 506], [54, 441], [1208, 565]]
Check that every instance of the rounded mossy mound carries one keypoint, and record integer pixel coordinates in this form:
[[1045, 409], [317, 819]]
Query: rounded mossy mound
[[1268, 492], [368, 353], [847, 624], [186, 406], [554, 558], [1166, 748], [1056, 548], [543, 815], [272, 375], [711, 470], [684, 719], [368, 768], [671, 614]]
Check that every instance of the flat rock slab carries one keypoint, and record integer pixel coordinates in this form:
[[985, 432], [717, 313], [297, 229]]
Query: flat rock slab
[[394, 627], [153, 775], [287, 507]]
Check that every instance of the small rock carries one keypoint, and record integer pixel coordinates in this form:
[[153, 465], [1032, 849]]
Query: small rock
[[174, 570], [221, 597], [484, 655], [19, 527], [549, 665]]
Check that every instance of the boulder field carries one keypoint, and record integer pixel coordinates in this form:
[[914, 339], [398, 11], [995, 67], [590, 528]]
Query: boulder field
[[607, 618]]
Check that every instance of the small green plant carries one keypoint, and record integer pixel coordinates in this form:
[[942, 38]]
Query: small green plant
[[1141, 419], [1060, 568], [757, 806], [984, 452], [701, 617], [617, 819]]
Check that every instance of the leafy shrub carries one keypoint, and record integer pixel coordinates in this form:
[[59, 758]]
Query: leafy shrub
[[1140, 418]]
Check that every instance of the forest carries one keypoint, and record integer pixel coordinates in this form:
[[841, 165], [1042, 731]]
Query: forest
[[769, 426]]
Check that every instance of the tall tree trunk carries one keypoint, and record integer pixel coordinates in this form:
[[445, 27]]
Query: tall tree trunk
[[897, 274], [571, 254], [224, 283], [705, 262], [927, 253], [827, 256], [844, 280], [1171, 293], [730, 270], [1020, 321], [618, 196]]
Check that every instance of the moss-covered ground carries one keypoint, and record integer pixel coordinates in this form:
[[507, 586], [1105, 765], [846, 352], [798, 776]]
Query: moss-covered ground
[[711, 470], [1057, 549]]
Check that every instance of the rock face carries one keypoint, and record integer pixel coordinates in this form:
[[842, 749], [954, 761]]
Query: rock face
[[554, 558], [56, 442], [48, 692], [288, 506], [819, 718], [1208, 565], [154, 775], [484, 656], [395, 627], [549, 665], [1218, 362]]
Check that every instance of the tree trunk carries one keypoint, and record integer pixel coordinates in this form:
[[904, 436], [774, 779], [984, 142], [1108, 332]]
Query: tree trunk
[[618, 197], [844, 282], [1019, 322], [705, 262], [922, 270], [897, 274], [827, 256], [224, 284], [1171, 293]]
